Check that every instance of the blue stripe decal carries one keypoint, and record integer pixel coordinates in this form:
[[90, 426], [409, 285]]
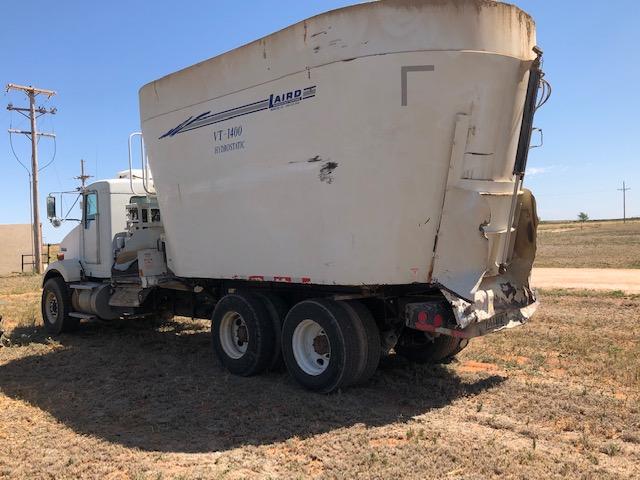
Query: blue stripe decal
[[274, 102]]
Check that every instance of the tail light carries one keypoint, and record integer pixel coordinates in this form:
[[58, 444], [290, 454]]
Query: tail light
[[60, 256]]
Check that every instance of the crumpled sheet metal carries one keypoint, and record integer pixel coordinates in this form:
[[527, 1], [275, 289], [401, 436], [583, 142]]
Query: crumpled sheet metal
[[497, 296]]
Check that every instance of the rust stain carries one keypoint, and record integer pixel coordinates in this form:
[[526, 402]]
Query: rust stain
[[506, 10]]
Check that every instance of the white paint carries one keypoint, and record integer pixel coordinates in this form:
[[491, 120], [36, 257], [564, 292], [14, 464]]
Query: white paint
[[113, 196], [262, 210]]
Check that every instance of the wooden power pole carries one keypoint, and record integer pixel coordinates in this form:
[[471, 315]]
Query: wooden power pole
[[83, 177], [624, 191], [33, 114]]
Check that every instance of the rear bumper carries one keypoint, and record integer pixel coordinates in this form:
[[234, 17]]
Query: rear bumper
[[499, 303], [492, 312], [504, 300], [472, 320], [501, 321]]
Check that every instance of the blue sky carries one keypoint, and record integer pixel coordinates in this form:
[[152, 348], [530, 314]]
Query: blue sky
[[98, 54]]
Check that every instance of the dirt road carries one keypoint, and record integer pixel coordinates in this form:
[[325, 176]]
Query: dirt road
[[627, 280]]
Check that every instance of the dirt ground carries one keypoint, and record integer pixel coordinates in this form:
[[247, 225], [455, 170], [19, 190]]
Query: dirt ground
[[604, 244], [611, 279], [557, 398]]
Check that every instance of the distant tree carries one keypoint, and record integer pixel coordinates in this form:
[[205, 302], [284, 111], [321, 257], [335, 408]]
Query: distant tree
[[583, 217]]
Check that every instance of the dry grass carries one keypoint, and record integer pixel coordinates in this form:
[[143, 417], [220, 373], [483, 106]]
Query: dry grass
[[558, 398], [610, 244], [19, 300]]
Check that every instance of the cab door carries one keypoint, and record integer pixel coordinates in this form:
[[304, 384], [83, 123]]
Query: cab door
[[91, 228]]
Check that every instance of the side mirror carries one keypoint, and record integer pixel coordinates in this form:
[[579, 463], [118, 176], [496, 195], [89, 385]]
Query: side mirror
[[51, 207]]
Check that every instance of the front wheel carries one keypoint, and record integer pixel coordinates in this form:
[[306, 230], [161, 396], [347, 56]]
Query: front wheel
[[56, 307]]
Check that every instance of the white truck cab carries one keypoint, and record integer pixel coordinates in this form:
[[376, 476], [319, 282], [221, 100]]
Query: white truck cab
[[104, 215], [117, 224]]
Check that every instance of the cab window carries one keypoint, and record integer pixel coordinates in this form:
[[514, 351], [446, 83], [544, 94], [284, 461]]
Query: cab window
[[90, 208]]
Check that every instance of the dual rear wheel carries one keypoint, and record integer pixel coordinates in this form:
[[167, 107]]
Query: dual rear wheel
[[325, 344], [243, 334], [328, 344]]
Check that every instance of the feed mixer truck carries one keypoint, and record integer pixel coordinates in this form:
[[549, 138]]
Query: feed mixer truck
[[346, 188]]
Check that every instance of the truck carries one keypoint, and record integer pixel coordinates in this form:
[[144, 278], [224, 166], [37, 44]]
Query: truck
[[347, 188]]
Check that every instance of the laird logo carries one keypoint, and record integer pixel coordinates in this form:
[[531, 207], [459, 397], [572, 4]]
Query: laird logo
[[274, 102], [280, 100]]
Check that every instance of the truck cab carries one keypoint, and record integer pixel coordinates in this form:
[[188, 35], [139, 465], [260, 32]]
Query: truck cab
[[103, 217], [89, 246], [97, 274]]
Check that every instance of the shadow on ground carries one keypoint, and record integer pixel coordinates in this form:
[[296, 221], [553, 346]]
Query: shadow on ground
[[162, 390]]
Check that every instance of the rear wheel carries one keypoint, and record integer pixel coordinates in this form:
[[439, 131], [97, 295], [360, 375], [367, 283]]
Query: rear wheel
[[438, 350], [369, 338], [56, 307], [321, 346], [243, 334], [277, 309]]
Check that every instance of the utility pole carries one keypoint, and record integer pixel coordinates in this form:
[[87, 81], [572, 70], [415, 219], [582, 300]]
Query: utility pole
[[624, 191], [83, 176], [34, 113]]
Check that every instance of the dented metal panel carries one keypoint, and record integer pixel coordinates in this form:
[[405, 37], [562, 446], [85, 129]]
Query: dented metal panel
[[506, 296], [323, 153]]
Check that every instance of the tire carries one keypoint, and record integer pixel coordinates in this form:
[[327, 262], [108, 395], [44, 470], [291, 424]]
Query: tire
[[370, 339], [242, 334], [56, 307], [277, 309], [441, 350], [321, 346]]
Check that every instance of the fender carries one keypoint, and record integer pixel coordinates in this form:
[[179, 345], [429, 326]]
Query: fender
[[70, 270]]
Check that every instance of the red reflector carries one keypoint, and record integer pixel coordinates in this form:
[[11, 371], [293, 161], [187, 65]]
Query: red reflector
[[61, 256], [437, 320]]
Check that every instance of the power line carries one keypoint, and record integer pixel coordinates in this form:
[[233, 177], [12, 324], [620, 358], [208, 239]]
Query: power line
[[83, 177], [33, 114], [53, 159], [624, 191], [16, 155]]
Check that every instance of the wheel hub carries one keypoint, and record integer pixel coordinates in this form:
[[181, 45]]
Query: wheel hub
[[234, 335], [242, 335], [321, 344], [311, 347], [51, 307]]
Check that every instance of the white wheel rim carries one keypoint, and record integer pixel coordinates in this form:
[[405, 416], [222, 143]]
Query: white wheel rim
[[311, 347], [234, 335], [51, 307]]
